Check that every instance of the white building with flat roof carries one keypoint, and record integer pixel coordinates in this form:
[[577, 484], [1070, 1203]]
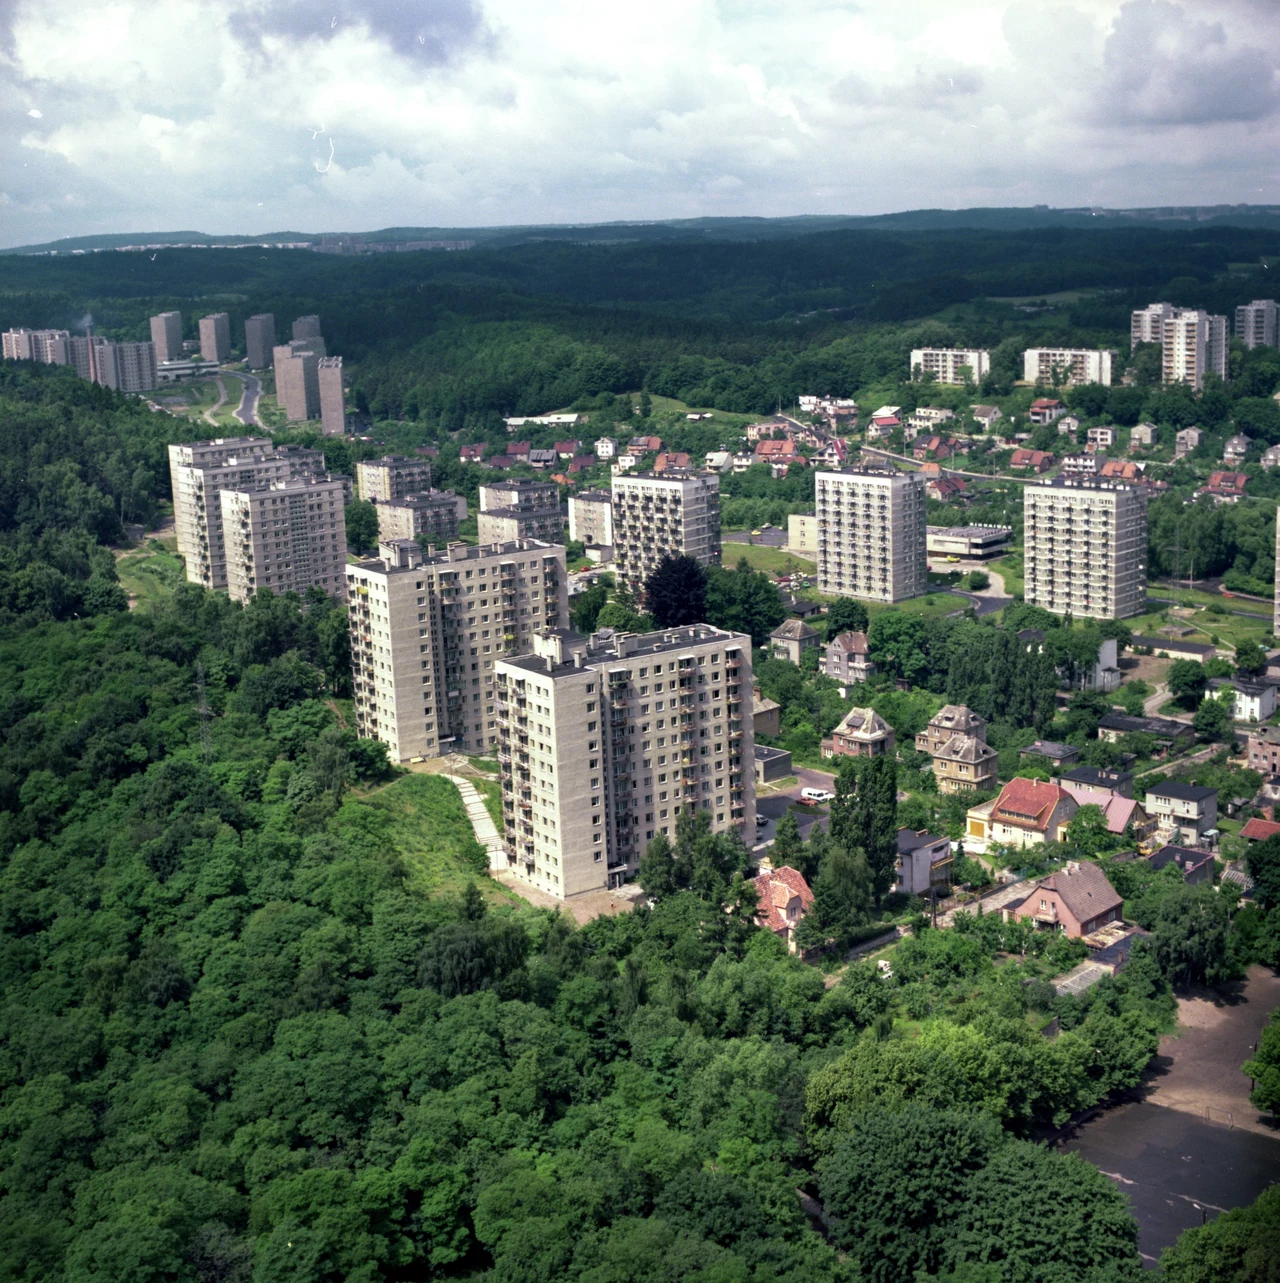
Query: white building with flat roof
[[948, 365], [1256, 323], [1069, 365], [1195, 344]]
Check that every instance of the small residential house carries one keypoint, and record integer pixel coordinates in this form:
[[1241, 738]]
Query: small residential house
[[1263, 753], [945, 489], [1271, 456], [1235, 449], [1045, 409], [1255, 700], [1225, 487], [1121, 814], [519, 449], [671, 461], [848, 658], [1027, 813], [1186, 441], [542, 459], [1024, 460], [1057, 755], [965, 764], [952, 719], [1258, 829], [1195, 866], [1101, 438], [1145, 434], [719, 461], [1068, 425], [933, 447], [474, 453], [567, 449], [862, 733], [924, 863], [832, 454], [1122, 470], [1184, 813], [1082, 464], [1098, 779], [882, 426], [986, 415], [1077, 900], [606, 448], [766, 716], [644, 445], [791, 639], [783, 898]]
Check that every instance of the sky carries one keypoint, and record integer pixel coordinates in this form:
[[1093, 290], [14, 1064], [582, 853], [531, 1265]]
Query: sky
[[249, 116]]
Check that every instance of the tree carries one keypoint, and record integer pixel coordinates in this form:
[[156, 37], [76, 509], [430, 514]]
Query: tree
[[864, 815], [362, 525], [1190, 935], [1213, 719], [1187, 681], [843, 895], [1240, 1246], [845, 615], [1087, 831], [1264, 1068], [1263, 861], [586, 609], [744, 600], [623, 619], [1250, 658], [675, 593]]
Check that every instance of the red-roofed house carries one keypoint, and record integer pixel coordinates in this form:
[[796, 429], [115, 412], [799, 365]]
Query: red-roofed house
[[945, 488], [1024, 460], [567, 449], [1077, 900], [1026, 813], [520, 448], [881, 426], [672, 460], [784, 898], [1225, 487], [1259, 830], [1121, 469], [776, 451], [1121, 814], [644, 445], [1046, 409], [835, 454], [477, 451], [580, 462], [934, 447]]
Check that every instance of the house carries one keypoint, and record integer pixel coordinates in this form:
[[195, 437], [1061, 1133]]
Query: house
[[1082, 465], [1120, 814], [1225, 487], [791, 639], [986, 415], [766, 716], [1045, 409], [1195, 866], [719, 461], [1101, 438], [696, 417], [1174, 647], [1271, 456], [1255, 701], [887, 412], [1185, 442], [474, 452], [625, 462], [1098, 779], [543, 458], [924, 863], [581, 462], [1058, 755], [1028, 813], [848, 658], [567, 449], [1068, 425], [1122, 470], [783, 898], [862, 733], [1257, 829], [644, 445], [519, 449], [1077, 900], [1236, 448], [799, 606], [771, 764], [606, 448], [834, 454], [1145, 434], [1024, 460], [1263, 753], [882, 426], [1168, 734], [925, 417], [944, 489], [772, 451], [671, 461], [500, 462], [933, 447], [1186, 813], [965, 764], [953, 719], [766, 428]]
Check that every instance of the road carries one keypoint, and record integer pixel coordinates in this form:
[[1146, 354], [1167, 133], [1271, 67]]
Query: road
[[218, 404], [251, 390], [1151, 705], [773, 806]]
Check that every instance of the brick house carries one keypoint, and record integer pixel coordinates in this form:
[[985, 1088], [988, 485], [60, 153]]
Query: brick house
[[862, 733], [784, 898], [1077, 900]]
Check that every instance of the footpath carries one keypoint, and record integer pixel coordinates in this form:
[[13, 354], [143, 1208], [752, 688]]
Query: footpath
[[481, 822]]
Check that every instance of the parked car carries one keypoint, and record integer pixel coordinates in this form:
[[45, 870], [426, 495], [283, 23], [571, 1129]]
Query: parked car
[[815, 797]]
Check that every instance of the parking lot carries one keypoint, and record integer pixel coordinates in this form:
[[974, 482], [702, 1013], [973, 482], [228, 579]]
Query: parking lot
[[773, 806]]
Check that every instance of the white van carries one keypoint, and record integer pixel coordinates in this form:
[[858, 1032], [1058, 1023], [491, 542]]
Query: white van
[[816, 795]]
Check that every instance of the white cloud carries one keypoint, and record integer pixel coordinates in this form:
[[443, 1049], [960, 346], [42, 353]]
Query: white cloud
[[181, 113]]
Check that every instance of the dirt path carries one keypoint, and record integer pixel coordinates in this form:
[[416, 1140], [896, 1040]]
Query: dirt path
[[218, 404]]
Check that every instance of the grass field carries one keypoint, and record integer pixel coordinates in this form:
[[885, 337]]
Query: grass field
[[1230, 630], [151, 573], [777, 561], [1194, 597], [491, 793]]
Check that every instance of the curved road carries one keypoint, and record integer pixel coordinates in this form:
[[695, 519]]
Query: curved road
[[251, 390]]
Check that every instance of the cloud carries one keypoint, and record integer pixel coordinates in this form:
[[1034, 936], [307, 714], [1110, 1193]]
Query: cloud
[[1161, 66]]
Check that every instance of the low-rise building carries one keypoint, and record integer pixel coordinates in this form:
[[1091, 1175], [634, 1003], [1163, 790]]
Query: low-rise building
[[1045, 409], [848, 658], [1168, 733], [861, 733], [1101, 438], [1082, 464], [1037, 461], [945, 489], [965, 764], [606, 448], [1097, 779], [924, 863], [1195, 866], [986, 415], [783, 898], [771, 764], [1057, 755], [1174, 647], [1121, 815], [1185, 441], [1255, 701], [791, 639], [1186, 814], [950, 720], [1144, 434], [1236, 448], [1225, 487], [1026, 813], [1077, 900], [1263, 752], [971, 543], [766, 715]]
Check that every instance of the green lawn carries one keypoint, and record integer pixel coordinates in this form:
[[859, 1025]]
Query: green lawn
[[1194, 597], [1230, 630], [491, 792], [150, 573], [776, 561], [1010, 567]]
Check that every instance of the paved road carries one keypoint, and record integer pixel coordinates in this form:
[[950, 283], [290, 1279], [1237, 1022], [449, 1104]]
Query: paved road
[[218, 404], [251, 390], [774, 806]]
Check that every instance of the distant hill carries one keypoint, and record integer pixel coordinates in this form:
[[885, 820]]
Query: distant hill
[[709, 229]]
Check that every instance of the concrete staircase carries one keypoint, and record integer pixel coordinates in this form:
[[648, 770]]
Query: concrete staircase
[[481, 823]]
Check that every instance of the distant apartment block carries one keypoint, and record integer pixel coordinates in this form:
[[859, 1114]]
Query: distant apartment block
[[655, 517], [128, 367], [260, 340], [427, 633], [520, 510], [286, 537], [871, 534], [333, 404], [591, 518], [307, 327], [1195, 344], [433, 515], [1146, 325], [215, 337], [166, 334], [297, 382], [48, 347], [390, 478], [603, 742], [1070, 365], [1256, 323], [948, 365], [1086, 547]]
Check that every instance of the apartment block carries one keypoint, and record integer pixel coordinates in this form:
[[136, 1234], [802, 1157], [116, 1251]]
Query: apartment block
[[306, 327], [604, 741], [391, 478], [166, 334], [655, 517], [260, 340], [1195, 344], [428, 632], [80, 354], [297, 382], [947, 364], [129, 367], [1146, 325], [872, 536], [591, 518], [287, 536], [333, 404], [49, 347], [1086, 547], [433, 515], [520, 510], [215, 337], [200, 470], [1256, 323], [1070, 365]]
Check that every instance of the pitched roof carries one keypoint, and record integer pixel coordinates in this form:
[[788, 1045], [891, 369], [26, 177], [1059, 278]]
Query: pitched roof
[[850, 643], [1028, 804], [1258, 829], [966, 748], [957, 717], [776, 889], [1116, 811], [864, 723], [793, 630], [1187, 858], [1084, 890], [1182, 791]]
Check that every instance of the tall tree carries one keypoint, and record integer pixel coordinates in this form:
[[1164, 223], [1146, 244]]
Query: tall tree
[[675, 593], [845, 615]]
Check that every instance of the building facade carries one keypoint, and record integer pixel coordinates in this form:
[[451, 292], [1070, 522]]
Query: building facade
[[1256, 324], [948, 364], [392, 478], [520, 510], [1070, 365], [1086, 547], [605, 741], [166, 334], [1146, 325], [1195, 344], [215, 337], [260, 340], [297, 373], [306, 327], [591, 518], [433, 515], [48, 347], [332, 398], [871, 534], [427, 633], [127, 367], [655, 517]]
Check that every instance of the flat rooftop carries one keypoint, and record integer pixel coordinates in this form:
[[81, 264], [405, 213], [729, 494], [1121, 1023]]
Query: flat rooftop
[[557, 651]]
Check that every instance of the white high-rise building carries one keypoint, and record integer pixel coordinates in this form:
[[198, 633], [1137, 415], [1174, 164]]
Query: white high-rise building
[[655, 517], [1146, 325], [603, 742], [871, 534], [427, 634], [1195, 344], [948, 364], [1256, 324], [166, 334], [1086, 547], [1072, 365]]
